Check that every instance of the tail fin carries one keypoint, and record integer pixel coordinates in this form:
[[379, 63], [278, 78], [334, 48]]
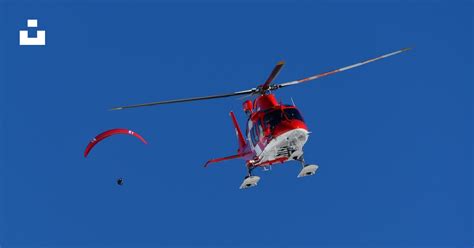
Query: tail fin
[[242, 145], [238, 132]]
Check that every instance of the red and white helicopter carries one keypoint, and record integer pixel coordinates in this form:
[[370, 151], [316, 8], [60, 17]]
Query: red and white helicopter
[[276, 133]]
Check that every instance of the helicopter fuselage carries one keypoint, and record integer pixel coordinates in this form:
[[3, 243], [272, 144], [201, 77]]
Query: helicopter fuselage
[[275, 133]]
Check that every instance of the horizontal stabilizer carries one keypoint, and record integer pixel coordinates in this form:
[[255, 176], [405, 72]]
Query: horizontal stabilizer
[[215, 160]]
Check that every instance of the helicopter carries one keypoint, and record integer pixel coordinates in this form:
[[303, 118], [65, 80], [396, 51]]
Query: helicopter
[[275, 132]]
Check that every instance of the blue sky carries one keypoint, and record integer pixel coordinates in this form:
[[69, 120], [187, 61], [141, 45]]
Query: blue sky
[[393, 139]]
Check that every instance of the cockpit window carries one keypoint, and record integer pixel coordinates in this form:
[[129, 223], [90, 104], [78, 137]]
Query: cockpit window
[[274, 117], [293, 113]]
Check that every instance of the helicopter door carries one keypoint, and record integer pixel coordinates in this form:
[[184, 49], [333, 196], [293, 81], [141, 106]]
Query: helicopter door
[[254, 135]]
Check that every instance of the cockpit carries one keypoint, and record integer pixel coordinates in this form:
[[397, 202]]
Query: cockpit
[[272, 118], [276, 116]]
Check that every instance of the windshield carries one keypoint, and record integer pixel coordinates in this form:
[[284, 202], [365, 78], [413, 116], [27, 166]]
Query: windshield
[[292, 114], [274, 117]]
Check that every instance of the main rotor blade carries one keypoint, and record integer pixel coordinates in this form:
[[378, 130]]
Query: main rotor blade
[[338, 70], [273, 75], [244, 92]]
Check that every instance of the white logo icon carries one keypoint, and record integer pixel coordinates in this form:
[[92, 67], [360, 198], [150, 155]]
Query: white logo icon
[[39, 40]]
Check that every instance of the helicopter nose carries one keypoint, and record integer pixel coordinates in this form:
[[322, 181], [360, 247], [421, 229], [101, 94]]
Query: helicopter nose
[[288, 125]]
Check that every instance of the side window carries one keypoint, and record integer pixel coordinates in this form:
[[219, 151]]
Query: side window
[[260, 128], [255, 131], [253, 136], [249, 130]]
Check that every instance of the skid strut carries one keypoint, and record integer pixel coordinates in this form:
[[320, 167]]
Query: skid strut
[[250, 181], [308, 169]]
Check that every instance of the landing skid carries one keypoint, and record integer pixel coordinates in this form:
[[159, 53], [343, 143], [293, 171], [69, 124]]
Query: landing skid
[[250, 182], [308, 170]]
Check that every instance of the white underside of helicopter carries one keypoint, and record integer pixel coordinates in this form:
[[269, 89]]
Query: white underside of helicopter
[[287, 145]]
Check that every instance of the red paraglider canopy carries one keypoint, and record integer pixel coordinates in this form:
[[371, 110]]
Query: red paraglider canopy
[[109, 133]]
